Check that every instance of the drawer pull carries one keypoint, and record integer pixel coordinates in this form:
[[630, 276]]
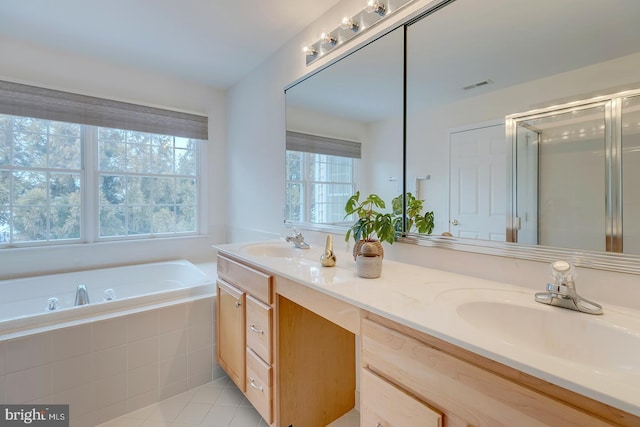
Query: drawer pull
[[238, 304], [252, 383], [256, 330]]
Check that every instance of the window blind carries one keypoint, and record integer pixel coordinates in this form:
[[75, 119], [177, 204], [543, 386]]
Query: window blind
[[31, 101], [297, 141]]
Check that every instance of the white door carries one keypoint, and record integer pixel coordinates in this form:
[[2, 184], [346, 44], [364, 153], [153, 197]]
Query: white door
[[478, 178]]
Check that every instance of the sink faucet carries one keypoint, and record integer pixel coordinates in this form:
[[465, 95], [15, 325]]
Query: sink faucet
[[562, 293], [82, 296], [297, 239]]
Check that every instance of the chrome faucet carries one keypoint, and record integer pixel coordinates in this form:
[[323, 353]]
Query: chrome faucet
[[562, 293], [297, 239], [82, 296]]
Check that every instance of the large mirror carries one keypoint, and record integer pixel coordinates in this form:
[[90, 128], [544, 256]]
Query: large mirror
[[345, 133], [487, 76], [507, 128]]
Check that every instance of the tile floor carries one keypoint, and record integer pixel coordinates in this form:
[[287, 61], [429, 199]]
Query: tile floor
[[215, 404]]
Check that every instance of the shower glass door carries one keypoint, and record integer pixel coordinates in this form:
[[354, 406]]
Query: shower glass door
[[631, 174], [561, 158]]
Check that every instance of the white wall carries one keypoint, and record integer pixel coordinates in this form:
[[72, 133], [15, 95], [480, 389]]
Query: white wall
[[256, 170], [29, 64]]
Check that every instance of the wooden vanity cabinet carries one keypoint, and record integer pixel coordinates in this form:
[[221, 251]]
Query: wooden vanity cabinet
[[467, 389], [244, 322]]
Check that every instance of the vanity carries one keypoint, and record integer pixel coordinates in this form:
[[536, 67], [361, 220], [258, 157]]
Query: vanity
[[417, 346]]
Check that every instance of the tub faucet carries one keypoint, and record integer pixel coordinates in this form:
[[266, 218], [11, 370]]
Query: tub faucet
[[297, 239], [82, 296], [562, 293]]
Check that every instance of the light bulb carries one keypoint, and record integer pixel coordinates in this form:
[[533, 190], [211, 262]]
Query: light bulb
[[376, 6], [349, 24], [309, 51], [328, 39]]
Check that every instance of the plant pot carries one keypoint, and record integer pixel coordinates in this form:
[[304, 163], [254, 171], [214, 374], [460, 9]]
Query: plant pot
[[369, 261], [357, 247]]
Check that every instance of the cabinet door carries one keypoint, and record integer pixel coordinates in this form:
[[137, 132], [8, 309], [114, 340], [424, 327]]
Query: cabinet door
[[230, 332], [385, 405]]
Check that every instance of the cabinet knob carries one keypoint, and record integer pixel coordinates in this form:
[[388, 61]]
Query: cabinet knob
[[454, 222], [256, 330], [252, 383], [238, 304]]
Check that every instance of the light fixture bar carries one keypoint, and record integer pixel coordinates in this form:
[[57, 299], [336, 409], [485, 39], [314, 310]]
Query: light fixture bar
[[373, 12]]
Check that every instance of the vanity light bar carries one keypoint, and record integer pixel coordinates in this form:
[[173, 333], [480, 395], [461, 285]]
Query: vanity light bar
[[374, 12]]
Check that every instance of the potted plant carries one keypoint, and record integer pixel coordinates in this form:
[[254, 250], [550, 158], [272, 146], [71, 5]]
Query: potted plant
[[415, 220], [371, 224]]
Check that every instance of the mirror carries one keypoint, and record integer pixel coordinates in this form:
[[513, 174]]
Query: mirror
[[472, 64], [345, 133]]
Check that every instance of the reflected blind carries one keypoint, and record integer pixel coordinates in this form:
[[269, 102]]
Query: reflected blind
[[297, 141], [31, 101]]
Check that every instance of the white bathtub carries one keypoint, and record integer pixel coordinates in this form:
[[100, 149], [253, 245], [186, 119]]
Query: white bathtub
[[107, 358], [23, 302]]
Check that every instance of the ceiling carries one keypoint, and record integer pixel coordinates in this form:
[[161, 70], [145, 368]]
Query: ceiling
[[214, 42]]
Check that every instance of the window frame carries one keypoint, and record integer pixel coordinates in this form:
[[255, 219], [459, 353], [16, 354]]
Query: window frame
[[306, 183], [90, 192]]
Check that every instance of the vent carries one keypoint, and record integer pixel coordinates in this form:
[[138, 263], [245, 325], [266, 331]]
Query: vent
[[479, 84]]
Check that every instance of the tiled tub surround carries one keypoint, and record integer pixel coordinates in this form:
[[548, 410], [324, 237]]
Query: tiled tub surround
[[113, 358], [106, 368]]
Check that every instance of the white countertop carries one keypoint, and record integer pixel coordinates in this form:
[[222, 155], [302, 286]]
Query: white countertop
[[426, 299]]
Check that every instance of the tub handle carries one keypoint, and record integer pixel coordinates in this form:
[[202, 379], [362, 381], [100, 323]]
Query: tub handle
[[238, 304], [256, 330], [252, 383], [53, 304]]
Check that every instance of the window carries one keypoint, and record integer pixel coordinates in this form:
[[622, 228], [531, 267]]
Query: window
[[148, 183], [69, 182], [320, 177], [40, 180]]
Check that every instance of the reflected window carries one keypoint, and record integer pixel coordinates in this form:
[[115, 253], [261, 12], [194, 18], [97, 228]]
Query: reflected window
[[320, 177]]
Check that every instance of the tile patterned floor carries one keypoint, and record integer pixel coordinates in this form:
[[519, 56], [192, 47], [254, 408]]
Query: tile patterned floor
[[215, 404]]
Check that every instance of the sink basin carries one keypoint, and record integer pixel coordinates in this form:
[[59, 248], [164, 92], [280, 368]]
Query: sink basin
[[275, 249], [610, 342]]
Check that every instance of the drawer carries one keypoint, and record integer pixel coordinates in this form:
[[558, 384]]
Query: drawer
[[385, 405], [459, 388], [258, 327], [253, 281], [259, 388]]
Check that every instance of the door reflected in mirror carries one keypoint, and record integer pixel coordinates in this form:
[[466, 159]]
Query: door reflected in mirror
[[472, 64]]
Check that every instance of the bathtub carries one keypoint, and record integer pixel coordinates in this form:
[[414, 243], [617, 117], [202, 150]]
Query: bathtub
[[112, 291], [107, 358]]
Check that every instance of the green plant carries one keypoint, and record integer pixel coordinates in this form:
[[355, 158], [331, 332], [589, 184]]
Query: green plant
[[371, 223], [423, 223]]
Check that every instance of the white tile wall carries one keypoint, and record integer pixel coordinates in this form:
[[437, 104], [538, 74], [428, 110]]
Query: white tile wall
[[104, 369], [27, 352], [109, 333], [28, 385], [3, 395]]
